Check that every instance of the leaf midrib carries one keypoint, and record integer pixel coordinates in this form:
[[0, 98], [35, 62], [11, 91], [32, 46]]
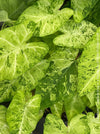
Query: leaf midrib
[[25, 111]]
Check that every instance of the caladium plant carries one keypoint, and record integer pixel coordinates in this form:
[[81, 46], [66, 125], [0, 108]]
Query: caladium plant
[[50, 58]]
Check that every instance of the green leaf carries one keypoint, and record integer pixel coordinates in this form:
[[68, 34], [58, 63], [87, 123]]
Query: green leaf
[[54, 125], [47, 5], [49, 40], [4, 16], [57, 109], [78, 125], [89, 66], [82, 8], [91, 96], [17, 56], [63, 58], [30, 2], [50, 5], [4, 129], [86, 101], [82, 124], [97, 101], [73, 105], [12, 7], [30, 79], [60, 79], [23, 113], [90, 100], [94, 123], [75, 35], [26, 81], [42, 20], [94, 15]]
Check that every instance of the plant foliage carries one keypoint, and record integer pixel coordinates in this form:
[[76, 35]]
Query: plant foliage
[[50, 58]]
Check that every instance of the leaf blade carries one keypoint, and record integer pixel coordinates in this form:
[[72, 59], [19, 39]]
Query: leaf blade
[[89, 67], [75, 35], [17, 56], [82, 8], [54, 125], [27, 81], [23, 113]]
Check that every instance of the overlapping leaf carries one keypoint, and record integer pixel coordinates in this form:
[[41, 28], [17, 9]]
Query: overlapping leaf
[[4, 129], [17, 56], [50, 5], [94, 15], [89, 66], [23, 113], [79, 125], [63, 57], [24, 47], [84, 124], [82, 8], [75, 35], [42, 16], [11, 9], [57, 109], [94, 123], [54, 125], [49, 40], [73, 105], [60, 78], [92, 98], [27, 81]]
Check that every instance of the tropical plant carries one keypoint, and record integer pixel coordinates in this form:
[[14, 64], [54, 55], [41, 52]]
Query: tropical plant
[[50, 58]]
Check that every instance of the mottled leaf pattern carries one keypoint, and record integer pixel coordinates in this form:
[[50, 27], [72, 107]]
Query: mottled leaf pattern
[[54, 125], [82, 8], [49, 58], [50, 5], [17, 56], [75, 35], [42, 20], [57, 109], [59, 79], [79, 125], [27, 81], [23, 113], [89, 66], [63, 57], [86, 124], [4, 129], [94, 124]]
